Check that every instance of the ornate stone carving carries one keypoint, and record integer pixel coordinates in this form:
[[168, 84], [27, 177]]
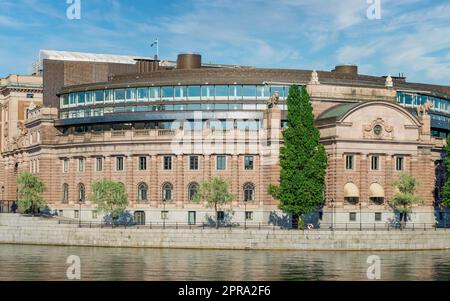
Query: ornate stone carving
[[389, 82], [314, 78], [274, 100], [378, 129], [424, 109]]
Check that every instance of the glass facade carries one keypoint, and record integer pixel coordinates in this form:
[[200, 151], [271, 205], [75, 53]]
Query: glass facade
[[219, 97], [439, 112]]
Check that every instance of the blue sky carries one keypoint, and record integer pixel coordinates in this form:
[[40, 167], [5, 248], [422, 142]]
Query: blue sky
[[412, 36]]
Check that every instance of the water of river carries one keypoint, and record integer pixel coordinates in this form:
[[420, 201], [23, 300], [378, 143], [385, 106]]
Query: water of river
[[18, 262]]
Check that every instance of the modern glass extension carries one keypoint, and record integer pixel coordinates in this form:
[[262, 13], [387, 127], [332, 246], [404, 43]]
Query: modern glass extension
[[415, 100], [439, 112], [210, 97]]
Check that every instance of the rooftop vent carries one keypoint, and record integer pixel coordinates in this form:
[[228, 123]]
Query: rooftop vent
[[189, 61], [346, 69], [146, 65]]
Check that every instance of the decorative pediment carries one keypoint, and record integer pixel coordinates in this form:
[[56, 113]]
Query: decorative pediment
[[378, 129]]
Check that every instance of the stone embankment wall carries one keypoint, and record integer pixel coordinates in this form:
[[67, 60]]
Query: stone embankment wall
[[25, 230]]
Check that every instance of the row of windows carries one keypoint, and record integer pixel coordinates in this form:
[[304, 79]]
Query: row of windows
[[139, 216], [374, 163], [416, 100], [85, 113], [173, 93], [377, 216], [242, 124], [221, 163], [166, 192]]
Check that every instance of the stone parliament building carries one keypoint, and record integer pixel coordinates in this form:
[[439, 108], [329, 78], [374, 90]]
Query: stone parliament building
[[163, 127]]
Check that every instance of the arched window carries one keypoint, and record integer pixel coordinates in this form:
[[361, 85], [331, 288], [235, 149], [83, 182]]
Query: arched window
[[351, 194], [65, 194], [81, 193], [167, 192], [249, 192], [376, 194], [192, 191], [142, 192]]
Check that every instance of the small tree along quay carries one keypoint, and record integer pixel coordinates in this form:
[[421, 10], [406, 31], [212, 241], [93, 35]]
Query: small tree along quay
[[216, 193], [110, 197], [303, 159], [29, 193], [405, 196], [446, 189]]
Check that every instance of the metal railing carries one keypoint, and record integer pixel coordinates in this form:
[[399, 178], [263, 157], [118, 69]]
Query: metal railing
[[5, 206], [261, 226]]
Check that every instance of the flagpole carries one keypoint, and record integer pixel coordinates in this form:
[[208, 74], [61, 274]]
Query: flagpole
[[157, 48]]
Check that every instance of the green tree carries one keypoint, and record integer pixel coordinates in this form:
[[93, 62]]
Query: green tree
[[445, 192], [110, 197], [216, 194], [29, 194], [405, 196], [303, 159]]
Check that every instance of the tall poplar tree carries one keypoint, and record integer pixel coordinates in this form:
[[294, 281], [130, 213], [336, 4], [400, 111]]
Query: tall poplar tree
[[303, 159]]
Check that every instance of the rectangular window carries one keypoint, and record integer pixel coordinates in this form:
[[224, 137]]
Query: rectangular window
[[192, 219], [207, 92], [142, 94], [349, 162], [378, 216], [94, 214], [81, 164], [194, 92], [263, 92], [167, 93], [221, 163], [193, 162], [167, 162], [30, 95], [221, 92], [99, 96], [165, 215], [66, 165], [180, 93], [249, 215], [77, 214], [142, 163], [352, 216], [155, 94], [249, 163], [119, 95], [109, 95], [89, 97], [399, 163], [99, 164], [375, 163], [130, 94], [249, 92], [119, 164]]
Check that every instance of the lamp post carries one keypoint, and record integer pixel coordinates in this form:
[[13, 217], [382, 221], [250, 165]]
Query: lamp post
[[79, 213], [332, 214], [164, 213], [3, 199], [245, 214], [360, 217]]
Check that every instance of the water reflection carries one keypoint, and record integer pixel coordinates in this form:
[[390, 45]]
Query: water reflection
[[49, 263]]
